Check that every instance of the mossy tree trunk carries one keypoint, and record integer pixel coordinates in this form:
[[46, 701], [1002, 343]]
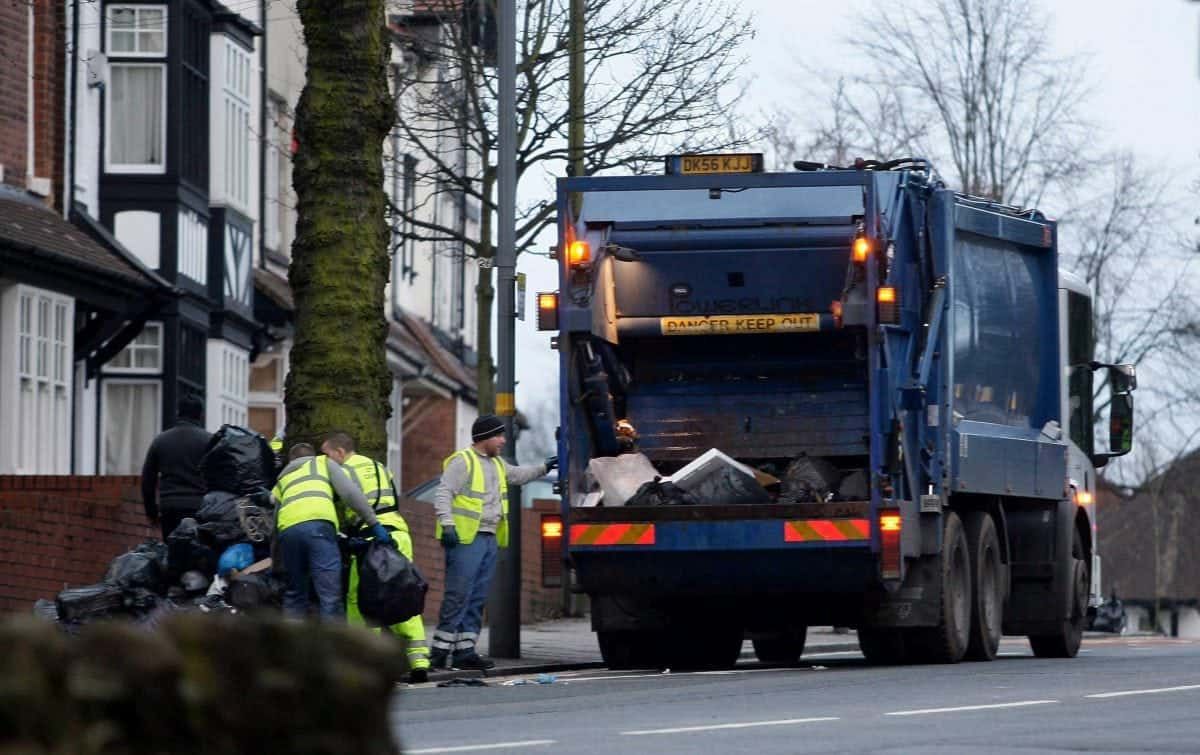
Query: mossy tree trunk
[[339, 377]]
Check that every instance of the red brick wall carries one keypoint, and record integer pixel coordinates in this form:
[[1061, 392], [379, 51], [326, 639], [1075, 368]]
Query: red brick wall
[[49, 18], [14, 92], [57, 532], [428, 439], [49, 102]]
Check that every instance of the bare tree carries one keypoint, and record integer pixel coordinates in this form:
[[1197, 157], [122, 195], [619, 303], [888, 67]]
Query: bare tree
[[971, 84], [1122, 243], [660, 78], [974, 85]]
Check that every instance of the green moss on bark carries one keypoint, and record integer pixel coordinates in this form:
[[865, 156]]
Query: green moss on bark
[[339, 377]]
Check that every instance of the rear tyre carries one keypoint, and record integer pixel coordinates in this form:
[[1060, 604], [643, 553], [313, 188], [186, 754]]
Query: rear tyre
[[1066, 641], [947, 642], [782, 648], [630, 650], [987, 605], [883, 647], [713, 648]]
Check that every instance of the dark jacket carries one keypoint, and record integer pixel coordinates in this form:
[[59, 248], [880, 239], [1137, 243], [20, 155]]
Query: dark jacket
[[172, 469]]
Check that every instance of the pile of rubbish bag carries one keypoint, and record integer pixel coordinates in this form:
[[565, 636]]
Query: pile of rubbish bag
[[715, 478], [218, 561]]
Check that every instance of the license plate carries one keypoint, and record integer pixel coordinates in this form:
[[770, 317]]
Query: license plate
[[693, 165]]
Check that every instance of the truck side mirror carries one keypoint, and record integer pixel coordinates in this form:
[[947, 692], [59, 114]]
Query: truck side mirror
[[1122, 378], [1120, 424]]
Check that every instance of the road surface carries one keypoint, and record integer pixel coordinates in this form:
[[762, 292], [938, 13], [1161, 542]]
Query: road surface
[[1137, 694]]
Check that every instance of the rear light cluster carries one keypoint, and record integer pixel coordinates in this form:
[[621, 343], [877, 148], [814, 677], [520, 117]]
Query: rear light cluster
[[889, 542]]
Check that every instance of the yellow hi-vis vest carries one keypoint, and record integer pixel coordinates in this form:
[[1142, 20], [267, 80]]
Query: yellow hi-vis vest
[[467, 506], [375, 481], [305, 494]]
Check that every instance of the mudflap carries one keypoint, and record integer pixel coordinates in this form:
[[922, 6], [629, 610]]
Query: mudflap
[[916, 602]]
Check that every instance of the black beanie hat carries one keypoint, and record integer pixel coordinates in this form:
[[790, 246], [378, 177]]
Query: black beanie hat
[[485, 427]]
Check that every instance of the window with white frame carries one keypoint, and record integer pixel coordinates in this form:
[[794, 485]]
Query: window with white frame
[[131, 409], [136, 124], [193, 246], [142, 355], [40, 417], [236, 92], [228, 383]]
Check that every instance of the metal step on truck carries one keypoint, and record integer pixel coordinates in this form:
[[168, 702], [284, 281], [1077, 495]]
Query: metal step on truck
[[912, 355]]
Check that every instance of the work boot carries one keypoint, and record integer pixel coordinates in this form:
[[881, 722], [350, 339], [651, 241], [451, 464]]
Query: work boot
[[438, 658], [418, 676], [472, 661]]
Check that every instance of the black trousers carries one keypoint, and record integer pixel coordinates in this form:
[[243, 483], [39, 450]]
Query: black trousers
[[169, 519]]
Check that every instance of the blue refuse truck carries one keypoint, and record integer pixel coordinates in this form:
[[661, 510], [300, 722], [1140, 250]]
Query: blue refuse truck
[[903, 368]]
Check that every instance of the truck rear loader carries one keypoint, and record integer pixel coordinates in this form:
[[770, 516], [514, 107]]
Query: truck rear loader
[[914, 350]]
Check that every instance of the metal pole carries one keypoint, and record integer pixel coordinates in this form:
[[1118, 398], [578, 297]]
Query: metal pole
[[505, 606]]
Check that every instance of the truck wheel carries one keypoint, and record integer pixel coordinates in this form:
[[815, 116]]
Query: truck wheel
[[1065, 642], [628, 650], [714, 648], [882, 647], [783, 647], [988, 604], [947, 642]]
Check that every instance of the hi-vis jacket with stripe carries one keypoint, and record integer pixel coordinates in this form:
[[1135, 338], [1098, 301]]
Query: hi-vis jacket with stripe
[[467, 505], [465, 500], [377, 485], [310, 488]]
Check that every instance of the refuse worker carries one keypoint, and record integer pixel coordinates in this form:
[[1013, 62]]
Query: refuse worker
[[378, 485], [172, 486], [472, 512], [306, 498], [277, 449]]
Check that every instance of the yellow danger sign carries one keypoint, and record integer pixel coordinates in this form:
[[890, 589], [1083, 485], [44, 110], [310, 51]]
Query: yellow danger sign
[[708, 325]]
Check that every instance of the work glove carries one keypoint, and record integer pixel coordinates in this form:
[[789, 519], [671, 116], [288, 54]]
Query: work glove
[[381, 534], [551, 463], [449, 537]]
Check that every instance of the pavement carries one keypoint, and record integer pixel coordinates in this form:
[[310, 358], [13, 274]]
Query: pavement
[[570, 644], [1120, 695]]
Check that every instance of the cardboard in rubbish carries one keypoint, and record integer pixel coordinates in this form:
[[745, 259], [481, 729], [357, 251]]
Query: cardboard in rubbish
[[716, 478], [619, 477]]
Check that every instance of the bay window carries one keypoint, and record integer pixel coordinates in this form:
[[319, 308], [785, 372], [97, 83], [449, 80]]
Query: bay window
[[136, 124], [37, 403]]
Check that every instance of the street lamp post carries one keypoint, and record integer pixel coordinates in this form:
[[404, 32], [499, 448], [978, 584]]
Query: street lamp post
[[505, 605]]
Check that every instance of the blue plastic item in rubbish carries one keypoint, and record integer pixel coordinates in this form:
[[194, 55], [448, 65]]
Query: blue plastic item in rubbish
[[235, 557]]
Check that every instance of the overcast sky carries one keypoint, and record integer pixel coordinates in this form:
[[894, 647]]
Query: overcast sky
[[1144, 64]]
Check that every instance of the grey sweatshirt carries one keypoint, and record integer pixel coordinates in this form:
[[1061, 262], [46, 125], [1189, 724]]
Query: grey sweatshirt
[[343, 487], [455, 481]]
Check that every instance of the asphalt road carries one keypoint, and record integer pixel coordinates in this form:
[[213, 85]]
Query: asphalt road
[[1119, 695]]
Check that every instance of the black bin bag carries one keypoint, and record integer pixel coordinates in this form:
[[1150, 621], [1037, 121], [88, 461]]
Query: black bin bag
[[238, 461], [390, 587]]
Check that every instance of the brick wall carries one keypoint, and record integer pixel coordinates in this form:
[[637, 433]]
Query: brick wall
[[428, 439], [57, 532], [49, 103], [14, 92], [49, 30], [63, 531]]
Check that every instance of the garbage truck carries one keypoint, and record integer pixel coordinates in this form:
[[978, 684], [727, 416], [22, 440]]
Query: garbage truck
[[902, 370]]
